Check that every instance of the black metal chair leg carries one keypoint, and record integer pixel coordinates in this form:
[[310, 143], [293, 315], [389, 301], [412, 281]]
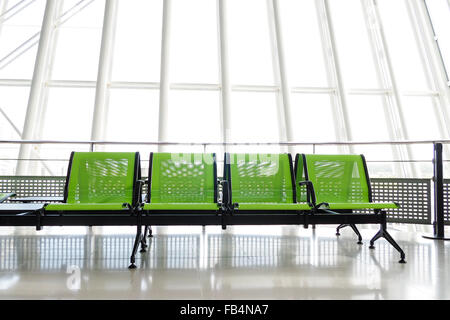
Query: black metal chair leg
[[375, 238], [150, 231], [383, 233], [144, 241], [137, 240], [355, 229], [340, 227]]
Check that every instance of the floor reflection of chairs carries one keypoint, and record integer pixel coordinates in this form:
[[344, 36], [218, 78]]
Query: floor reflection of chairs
[[47, 253], [209, 252]]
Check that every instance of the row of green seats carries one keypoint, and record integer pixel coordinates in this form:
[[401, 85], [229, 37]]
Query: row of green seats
[[251, 183]]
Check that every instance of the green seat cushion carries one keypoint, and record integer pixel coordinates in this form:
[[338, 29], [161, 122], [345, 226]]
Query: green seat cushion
[[260, 206], [85, 207], [181, 206], [362, 205]]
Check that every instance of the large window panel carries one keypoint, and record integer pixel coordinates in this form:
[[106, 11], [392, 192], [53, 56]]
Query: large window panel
[[194, 44], [194, 116], [421, 122], [353, 44], [78, 44], [69, 114], [312, 118], [254, 119], [367, 118], [13, 103], [403, 47], [369, 123], [249, 43], [138, 121], [137, 50], [439, 11], [302, 43], [19, 36], [420, 118]]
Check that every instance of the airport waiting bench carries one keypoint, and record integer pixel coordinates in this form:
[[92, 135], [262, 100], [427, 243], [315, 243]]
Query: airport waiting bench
[[105, 189]]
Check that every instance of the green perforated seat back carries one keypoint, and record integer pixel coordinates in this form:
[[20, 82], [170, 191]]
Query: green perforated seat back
[[337, 178], [183, 178], [102, 177], [264, 178]]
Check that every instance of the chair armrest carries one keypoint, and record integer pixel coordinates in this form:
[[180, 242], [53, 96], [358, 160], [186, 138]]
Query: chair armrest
[[139, 184], [310, 193], [225, 192]]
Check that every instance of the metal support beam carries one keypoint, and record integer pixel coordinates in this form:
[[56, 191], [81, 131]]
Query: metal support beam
[[3, 7], [164, 77], [392, 102], [284, 101], [342, 127], [438, 180], [99, 123], [225, 93], [433, 64], [34, 108]]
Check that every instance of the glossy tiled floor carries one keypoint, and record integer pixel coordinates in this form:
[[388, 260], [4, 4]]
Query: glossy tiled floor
[[274, 262]]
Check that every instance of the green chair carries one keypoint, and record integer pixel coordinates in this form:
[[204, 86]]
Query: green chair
[[100, 182], [182, 183], [262, 183], [103, 183], [340, 185]]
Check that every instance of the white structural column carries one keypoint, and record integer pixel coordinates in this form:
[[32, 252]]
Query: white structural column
[[343, 130], [99, 122], [225, 93], [392, 101], [3, 7], [164, 86], [436, 74], [284, 101], [34, 109]]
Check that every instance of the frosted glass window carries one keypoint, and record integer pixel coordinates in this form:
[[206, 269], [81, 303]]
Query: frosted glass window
[[194, 116], [302, 43], [69, 114], [194, 44], [352, 38], [404, 50], [78, 44], [14, 32], [249, 42], [138, 121], [137, 50]]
